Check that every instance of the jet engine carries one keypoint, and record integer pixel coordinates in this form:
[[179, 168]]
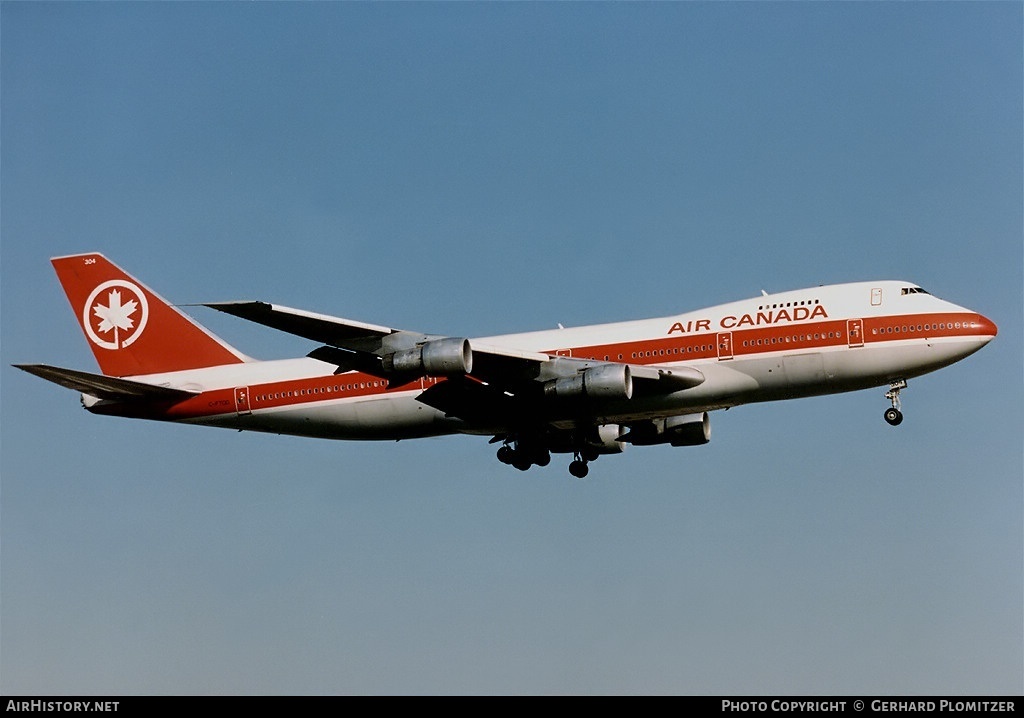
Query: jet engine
[[604, 382], [591, 441], [451, 356], [605, 439], [683, 430]]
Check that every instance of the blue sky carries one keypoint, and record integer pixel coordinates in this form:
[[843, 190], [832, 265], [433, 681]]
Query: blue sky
[[475, 169]]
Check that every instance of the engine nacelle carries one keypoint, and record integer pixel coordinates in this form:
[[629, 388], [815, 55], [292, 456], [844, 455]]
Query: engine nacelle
[[602, 383], [688, 430], [683, 430], [604, 440], [451, 356], [591, 441]]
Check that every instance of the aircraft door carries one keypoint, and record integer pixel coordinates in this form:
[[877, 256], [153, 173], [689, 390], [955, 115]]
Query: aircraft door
[[855, 332], [242, 401], [724, 346]]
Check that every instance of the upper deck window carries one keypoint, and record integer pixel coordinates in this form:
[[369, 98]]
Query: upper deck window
[[913, 290]]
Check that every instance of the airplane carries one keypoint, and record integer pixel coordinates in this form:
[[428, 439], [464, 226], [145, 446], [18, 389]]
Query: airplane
[[585, 391]]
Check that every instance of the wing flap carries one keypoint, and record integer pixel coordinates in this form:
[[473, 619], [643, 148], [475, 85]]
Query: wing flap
[[349, 360], [472, 401]]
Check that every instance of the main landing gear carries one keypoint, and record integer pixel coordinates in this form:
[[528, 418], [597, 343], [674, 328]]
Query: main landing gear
[[523, 457], [894, 416]]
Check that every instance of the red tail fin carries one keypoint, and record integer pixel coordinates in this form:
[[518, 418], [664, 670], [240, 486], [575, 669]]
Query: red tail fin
[[131, 329]]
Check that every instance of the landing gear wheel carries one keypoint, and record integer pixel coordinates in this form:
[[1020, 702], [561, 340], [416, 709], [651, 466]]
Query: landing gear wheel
[[506, 454], [894, 416], [522, 465], [579, 469]]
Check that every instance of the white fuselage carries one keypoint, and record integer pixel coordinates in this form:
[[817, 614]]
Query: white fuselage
[[808, 342]]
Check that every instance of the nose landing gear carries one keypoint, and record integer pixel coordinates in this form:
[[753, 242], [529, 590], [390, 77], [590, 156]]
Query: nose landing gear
[[893, 416]]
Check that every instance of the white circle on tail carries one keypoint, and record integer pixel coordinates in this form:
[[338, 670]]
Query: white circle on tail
[[115, 314]]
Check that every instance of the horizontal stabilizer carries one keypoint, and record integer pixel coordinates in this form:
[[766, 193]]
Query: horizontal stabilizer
[[105, 387]]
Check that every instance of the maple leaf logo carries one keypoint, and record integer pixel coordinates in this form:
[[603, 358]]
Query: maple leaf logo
[[116, 316]]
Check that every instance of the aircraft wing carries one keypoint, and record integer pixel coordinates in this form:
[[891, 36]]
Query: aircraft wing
[[361, 346], [506, 386], [105, 387], [497, 378], [337, 332]]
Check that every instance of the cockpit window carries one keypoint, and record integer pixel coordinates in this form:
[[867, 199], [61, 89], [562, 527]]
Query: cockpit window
[[914, 290]]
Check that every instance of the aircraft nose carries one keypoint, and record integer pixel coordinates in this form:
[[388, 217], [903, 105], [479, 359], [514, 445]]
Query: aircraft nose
[[986, 327]]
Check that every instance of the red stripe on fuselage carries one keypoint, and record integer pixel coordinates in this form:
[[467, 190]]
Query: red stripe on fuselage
[[809, 335], [746, 343]]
